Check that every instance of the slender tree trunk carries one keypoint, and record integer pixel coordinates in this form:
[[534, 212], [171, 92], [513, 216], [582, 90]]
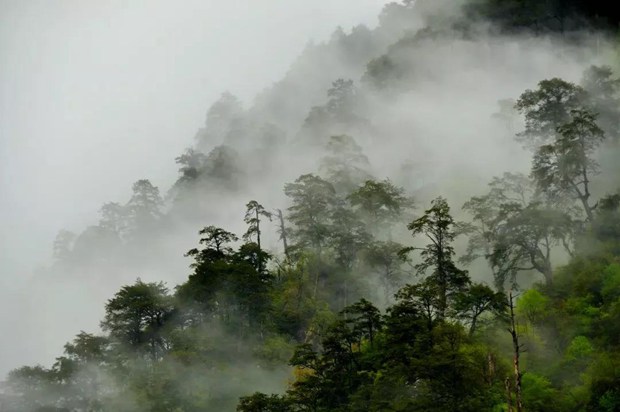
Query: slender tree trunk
[[316, 284], [517, 353], [491, 368], [584, 197], [548, 273], [472, 327], [386, 287], [259, 262], [508, 394], [443, 279], [283, 232]]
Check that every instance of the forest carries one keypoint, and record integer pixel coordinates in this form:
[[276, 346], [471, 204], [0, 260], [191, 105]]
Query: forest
[[423, 216]]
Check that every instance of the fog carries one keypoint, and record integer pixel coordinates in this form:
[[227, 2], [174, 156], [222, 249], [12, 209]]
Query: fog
[[95, 95]]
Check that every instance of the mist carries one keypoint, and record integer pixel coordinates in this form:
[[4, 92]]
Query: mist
[[95, 97]]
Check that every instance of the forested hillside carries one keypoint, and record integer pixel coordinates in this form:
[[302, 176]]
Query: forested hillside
[[424, 216]]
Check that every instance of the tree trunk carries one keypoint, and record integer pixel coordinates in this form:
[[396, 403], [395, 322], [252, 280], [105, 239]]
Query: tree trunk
[[508, 394], [259, 263], [283, 232], [517, 353]]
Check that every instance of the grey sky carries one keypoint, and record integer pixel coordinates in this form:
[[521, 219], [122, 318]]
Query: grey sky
[[97, 94]]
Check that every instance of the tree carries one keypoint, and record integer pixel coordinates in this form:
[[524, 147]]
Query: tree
[[365, 320], [79, 372], [341, 97], [63, 243], [87, 347], [259, 402], [113, 219], [312, 201], [380, 203], [191, 164], [30, 389], [226, 285], [216, 242], [137, 315], [525, 240], [566, 165], [254, 211], [439, 227], [510, 188], [515, 229], [517, 349], [547, 108], [336, 116], [477, 300], [282, 232], [425, 299], [219, 119], [347, 235], [345, 165], [385, 257], [144, 207], [604, 97], [222, 166]]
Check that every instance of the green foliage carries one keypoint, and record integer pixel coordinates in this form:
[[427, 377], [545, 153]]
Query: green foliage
[[547, 108], [538, 394], [260, 402], [345, 166], [579, 348], [312, 199], [533, 305], [136, 316], [437, 257], [604, 98], [245, 319], [566, 166], [515, 229], [380, 203]]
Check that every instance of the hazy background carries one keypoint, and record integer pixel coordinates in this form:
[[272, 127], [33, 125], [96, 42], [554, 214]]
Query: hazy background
[[95, 95]]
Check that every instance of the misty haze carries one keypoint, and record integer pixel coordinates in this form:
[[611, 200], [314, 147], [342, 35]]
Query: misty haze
[[310, 206]]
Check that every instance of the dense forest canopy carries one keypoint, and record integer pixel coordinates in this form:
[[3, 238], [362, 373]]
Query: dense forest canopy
[[444, 232]]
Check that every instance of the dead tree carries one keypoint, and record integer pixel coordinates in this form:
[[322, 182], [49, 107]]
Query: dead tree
[[282, 232], [517, 353]]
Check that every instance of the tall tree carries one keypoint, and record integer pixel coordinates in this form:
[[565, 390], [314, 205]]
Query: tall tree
[[345, 165], [546, 108], [566, 165], [341, 95], [438, 226], [347, 235], [216, 241], [380, 203], [282, 231], [312, 201], [525, 239], [384, 257], [191, 164], [477, 300], [517, 349], [515, 230], [136, 316], [604, 97], [144, 207], [219, 119], [254, 212], [114, 219]]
